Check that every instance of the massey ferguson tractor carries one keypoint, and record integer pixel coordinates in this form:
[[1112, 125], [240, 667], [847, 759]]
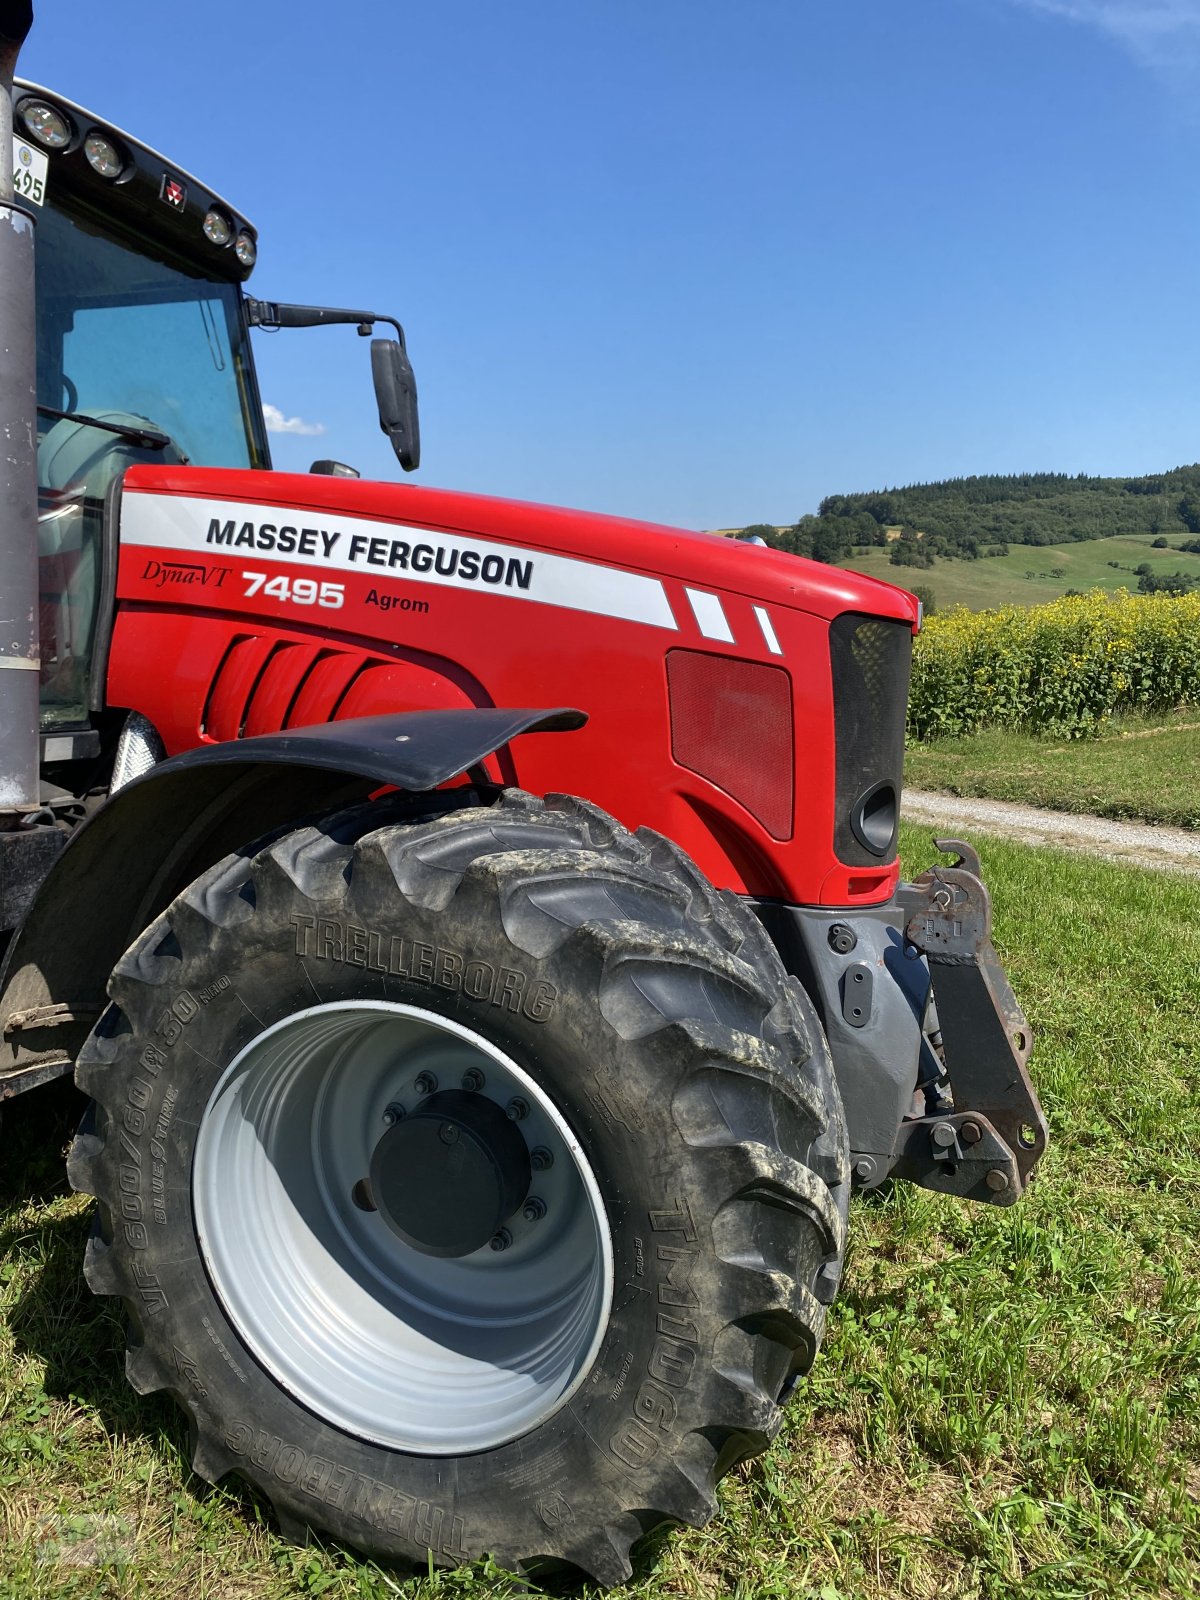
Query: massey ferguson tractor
[[477, 926]]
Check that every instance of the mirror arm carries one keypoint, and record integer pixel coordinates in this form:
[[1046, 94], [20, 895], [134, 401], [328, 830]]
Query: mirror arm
[[272, 314]]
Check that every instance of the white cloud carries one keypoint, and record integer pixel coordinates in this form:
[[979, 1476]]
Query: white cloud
[[278, 423], [1160, 33]]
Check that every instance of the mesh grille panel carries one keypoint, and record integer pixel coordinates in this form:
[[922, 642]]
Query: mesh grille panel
[[731, 722], [871, 662]]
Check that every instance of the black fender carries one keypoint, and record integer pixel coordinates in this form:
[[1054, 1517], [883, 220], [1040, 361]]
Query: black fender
[[162, 830]]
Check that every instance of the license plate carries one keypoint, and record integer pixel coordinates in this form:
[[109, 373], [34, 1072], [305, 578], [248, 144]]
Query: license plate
[[29, 172]]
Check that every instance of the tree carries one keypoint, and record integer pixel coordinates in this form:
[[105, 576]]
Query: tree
[[1167, 583], [1189, 512], [829, 543], [906, 553]]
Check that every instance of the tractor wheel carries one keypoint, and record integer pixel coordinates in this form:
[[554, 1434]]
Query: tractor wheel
[[475, 1184]]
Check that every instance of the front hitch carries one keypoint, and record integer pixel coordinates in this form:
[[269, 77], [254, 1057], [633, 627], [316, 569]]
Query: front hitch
[[991, 1135]]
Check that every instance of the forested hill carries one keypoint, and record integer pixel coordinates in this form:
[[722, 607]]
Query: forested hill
[[965, 516]]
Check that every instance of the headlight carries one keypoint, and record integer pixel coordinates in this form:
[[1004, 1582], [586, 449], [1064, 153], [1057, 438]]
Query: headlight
[[48, 126], [103, 156], [246, 250], [218, 228]]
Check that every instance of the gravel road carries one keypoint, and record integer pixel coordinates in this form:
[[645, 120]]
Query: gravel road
[[1134, 843]]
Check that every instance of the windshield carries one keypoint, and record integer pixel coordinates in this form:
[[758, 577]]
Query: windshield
[[128, 335], [120, 329]]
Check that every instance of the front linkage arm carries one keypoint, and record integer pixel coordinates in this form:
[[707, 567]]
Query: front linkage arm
[[987, 1146]]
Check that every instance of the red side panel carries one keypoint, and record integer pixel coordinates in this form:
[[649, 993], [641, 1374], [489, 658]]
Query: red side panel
[[248, 602], [731, 722]]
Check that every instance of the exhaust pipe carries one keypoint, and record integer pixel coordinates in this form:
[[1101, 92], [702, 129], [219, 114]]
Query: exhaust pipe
[[29, 840], [19, 748]]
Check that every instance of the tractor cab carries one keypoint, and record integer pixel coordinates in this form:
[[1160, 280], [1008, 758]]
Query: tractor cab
[[143, 352], [143, 355]]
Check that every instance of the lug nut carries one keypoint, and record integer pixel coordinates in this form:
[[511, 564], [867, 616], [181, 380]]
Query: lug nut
[[541, 1159], [501, 1239], [534, 1210], [842, 938], [472, 1079], [997, 1180], [517, 1109], [425, 1083], [393, 1115]]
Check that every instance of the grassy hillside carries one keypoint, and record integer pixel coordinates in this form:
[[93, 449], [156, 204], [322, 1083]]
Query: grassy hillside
[[1031, 575], [1032, 507], [969, 517]]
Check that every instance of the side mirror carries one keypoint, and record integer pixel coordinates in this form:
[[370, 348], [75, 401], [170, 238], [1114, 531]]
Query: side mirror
[[395, 386], [396, 396]]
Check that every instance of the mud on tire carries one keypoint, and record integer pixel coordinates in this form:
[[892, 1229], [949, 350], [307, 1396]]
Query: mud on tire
[[663, 1044]]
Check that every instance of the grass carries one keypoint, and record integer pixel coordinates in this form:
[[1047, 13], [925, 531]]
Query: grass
[[1008, 1403], [1026, 576], [1139, 768]]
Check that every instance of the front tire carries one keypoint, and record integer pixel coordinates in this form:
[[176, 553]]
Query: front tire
[[394, 1373]]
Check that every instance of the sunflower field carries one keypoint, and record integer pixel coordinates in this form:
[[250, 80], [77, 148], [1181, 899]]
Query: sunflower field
[[1062, 669]]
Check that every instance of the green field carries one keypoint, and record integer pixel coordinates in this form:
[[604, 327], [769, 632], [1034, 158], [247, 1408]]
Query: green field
[[1006, 580], [1008, 1402], [1138, 768]]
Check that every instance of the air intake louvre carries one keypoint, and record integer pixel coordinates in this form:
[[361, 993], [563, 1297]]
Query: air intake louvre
[[731, 722], [260, 687]]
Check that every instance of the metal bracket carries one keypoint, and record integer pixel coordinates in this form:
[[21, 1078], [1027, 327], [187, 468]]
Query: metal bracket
[[858, 983], [959, 1154], [50, 1016], [985, 1036], [44, 1070]]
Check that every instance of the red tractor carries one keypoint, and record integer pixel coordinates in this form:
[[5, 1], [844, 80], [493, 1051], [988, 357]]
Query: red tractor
[[478, 926]]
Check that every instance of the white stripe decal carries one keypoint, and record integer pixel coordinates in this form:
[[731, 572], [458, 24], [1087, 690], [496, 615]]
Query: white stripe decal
[[768, 630], [710, 615], [381, 551]]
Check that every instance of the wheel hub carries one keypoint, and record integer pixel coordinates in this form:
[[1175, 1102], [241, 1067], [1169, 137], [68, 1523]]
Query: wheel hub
[[447, 1177]]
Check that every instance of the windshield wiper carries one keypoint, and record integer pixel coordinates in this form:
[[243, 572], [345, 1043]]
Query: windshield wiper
[[147, 438]]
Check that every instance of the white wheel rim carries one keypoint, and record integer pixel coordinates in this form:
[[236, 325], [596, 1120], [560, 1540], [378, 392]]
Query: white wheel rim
[[419, 1353]]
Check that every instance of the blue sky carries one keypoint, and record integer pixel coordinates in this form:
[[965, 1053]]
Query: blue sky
[[700, 261]]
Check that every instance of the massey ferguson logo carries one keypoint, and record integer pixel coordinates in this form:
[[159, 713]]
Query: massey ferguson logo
[[184, 574], [173, 192], [446, 559]]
